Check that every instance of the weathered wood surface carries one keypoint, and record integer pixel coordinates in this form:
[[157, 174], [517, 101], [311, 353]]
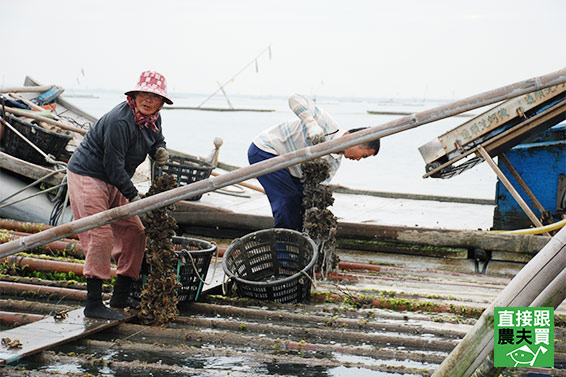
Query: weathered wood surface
[[28, 169], [50, 332], [284, 161], [417, 236]]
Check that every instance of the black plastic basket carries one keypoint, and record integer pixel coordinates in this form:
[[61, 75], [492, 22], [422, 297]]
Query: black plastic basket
[[185, 169], [188, 250], [49, 142], [272, 264]]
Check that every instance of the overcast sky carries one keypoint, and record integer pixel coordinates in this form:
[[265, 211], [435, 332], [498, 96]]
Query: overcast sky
[[398, 48]]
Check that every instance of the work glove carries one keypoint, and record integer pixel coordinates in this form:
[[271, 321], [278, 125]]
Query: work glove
[[315, 133], [161, 156], [143, 216]]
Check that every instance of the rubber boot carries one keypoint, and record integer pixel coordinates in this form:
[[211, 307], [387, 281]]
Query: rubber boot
[[121, 297], [94, 306]]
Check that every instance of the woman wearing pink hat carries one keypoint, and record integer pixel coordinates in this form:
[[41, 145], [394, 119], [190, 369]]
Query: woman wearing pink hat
[[99, 178]]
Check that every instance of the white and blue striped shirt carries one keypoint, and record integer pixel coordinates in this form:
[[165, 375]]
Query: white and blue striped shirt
[[292, 135]]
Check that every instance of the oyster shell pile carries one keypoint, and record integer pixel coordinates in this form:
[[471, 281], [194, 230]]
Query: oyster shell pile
[[159, 296], [319, 222]]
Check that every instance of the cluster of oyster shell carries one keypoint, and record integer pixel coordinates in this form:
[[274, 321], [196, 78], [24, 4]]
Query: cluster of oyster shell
[[159, 296], [319, 222]]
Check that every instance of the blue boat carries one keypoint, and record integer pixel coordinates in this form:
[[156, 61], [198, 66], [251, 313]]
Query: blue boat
[[541, 164]]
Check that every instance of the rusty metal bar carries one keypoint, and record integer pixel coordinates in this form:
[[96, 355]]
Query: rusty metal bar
[[284, 161]]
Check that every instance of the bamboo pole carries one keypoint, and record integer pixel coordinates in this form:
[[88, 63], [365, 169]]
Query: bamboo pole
[[22, 305], [221, 339], [26, 101], [284, 161], [27, 89], [18, 319], [527, 286], [18, 289], [30, 114], [23, 226], [38, 264], [71, 247], [375, 338], [259, 356]]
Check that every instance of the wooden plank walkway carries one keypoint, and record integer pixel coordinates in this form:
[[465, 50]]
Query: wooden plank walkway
[[49, 332]]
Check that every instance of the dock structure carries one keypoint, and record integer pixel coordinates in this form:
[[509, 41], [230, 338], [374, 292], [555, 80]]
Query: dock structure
[[384, 305]]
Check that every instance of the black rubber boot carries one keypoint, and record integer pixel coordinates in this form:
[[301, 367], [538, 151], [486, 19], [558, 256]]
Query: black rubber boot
[[94, 306], [121, 295]]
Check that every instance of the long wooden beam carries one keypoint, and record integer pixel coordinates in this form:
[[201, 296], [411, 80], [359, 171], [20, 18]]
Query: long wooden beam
[[26, 89], [284, 161], [469, 239]]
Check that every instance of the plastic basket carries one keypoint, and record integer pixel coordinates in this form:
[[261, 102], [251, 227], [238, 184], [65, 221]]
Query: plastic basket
[[188, 250], [272, 264], [50, 142], [185, 169]]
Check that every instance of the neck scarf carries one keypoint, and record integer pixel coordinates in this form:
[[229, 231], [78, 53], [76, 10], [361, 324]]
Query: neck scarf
[[142, 120]]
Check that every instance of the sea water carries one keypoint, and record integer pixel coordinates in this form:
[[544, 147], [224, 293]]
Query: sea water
[[398, 167]]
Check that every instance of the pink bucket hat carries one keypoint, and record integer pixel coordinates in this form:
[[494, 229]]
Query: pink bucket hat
[[152, 82]]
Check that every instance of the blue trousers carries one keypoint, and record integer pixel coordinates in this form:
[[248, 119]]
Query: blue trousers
[[285, 192]]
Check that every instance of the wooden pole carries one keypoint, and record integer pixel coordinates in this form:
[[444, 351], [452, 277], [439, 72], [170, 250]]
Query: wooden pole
[[243, 184], [30, 114], [27, 89], [527, 287], [510, 188], [283, 161], [30, 104], [469, 239], [27, 102]]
